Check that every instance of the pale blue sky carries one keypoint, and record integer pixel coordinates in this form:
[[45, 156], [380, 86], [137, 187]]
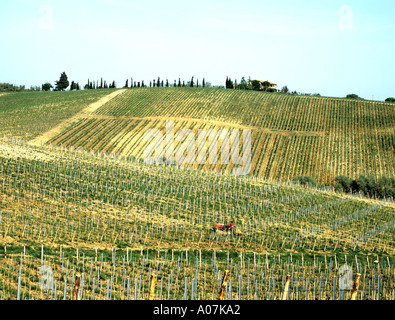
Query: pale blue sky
[[327, 47]]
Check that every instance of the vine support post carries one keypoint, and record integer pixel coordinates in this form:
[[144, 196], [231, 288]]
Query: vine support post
[[76, 286], [223, 286], [152, 287], [355, 287], [286, 288]]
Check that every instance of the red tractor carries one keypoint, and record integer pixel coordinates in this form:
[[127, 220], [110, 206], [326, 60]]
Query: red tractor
[[226, 228]]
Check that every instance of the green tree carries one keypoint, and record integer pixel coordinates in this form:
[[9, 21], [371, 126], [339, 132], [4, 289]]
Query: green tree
[[256, 85], [360, 184], [390, 100], [384, 188], [352, 96], [46, 87], [343, 183], [74, 86], [243, 84], [229, 83], [63, 82]]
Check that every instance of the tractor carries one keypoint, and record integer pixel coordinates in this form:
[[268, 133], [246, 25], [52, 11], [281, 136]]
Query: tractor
[[223, 227]]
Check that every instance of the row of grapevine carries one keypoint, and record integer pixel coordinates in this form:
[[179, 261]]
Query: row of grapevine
[[115, 274], [80, 185]]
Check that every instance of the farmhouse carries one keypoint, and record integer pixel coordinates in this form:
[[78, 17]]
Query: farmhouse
[[266, 85]]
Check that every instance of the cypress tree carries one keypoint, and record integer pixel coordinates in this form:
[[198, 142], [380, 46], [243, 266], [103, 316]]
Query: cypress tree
[[63, 82]]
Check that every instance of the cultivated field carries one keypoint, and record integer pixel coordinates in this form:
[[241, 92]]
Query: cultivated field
[[84, 203], [29, 114], [291, 135]]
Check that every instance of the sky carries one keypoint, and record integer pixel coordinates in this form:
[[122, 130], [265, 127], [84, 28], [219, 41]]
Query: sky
[[333, 48]]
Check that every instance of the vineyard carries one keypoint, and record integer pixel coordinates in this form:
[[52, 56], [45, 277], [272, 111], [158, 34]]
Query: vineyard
[[117, 222], [29, 114], [79, 205], [291, 135]]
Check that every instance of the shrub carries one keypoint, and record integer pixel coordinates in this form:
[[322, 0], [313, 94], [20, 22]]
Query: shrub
[[306, 181], [343, 183]]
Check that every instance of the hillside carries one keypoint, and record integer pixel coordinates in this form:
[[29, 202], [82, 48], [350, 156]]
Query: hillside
[[291, 135], [84, 204], [28, 114], [116, 220]]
